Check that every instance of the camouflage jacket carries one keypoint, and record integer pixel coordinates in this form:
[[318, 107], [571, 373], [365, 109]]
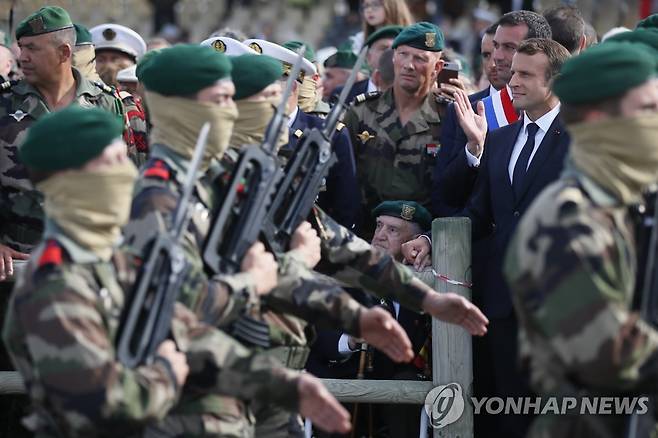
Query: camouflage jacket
[[393, 161], [21, 212], [136, 136], [572, 267], [61, 329]]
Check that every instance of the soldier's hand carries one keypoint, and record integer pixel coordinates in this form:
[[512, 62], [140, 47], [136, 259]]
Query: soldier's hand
[[306, 240], [7, 255], [177, 360], [474, 125], [262, 266], [317, 404], [452, 308], [417, 252], [379, 329]]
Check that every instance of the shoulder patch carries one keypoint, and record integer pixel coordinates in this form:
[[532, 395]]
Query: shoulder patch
[[340, 126], [366, 97], [157, 169], [106, 88], [51, 255]]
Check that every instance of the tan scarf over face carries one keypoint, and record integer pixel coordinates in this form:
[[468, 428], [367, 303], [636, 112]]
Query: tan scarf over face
[[90, 207], [84, 60], [619, 154], [254, 116], [177, 122], [308, 94]]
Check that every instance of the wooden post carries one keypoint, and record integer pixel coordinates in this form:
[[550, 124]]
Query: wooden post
[[452, 358]]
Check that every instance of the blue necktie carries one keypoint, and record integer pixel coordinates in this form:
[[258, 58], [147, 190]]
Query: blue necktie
[[521, 165]]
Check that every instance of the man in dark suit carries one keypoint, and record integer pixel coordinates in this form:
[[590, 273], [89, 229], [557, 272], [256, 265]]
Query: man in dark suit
[[515, 163]]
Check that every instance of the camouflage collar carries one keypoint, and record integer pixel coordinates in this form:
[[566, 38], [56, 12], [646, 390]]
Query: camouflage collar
[[420, 121], [179, 165], [594, 191], [83, 87], [75, 251]]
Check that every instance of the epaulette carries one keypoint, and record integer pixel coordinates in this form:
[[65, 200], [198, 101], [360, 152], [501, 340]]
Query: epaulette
[[157, 169], [106, 88], [51, 255], [366, 97], [340, 126]]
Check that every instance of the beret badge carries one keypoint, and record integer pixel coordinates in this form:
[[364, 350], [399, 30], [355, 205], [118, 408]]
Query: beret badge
[[407, 212], [430, 39]]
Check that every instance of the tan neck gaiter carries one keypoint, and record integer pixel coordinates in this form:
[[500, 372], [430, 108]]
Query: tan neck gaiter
[[84, 60]]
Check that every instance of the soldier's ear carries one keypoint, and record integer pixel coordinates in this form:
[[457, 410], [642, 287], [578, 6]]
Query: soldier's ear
[[65, 52]]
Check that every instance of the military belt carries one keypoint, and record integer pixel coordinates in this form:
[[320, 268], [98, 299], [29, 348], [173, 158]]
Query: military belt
[[293, 357]]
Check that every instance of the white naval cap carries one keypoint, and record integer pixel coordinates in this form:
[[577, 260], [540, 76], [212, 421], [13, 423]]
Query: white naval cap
[[128, 74], [286, 56], [118, 37], [228, 46]]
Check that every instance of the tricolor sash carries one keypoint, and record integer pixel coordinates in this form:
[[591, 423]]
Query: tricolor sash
[[498, 109]]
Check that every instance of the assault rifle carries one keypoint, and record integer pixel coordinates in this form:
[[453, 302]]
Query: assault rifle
[[304, 175], [146, 321]]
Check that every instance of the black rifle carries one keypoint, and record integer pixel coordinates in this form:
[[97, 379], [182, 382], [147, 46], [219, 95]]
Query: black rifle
[[146, 320], [304, 175]]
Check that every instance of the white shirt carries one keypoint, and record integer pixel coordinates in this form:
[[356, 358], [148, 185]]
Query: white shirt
[[343, 346], [371, 86], [292, 117]]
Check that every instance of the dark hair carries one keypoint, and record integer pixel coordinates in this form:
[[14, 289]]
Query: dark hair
[[571, 113], [537, 25], [554, 51], [491, 30], [567, 26]]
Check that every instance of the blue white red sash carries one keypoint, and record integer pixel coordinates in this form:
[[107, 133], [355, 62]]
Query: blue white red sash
[[498, 109]]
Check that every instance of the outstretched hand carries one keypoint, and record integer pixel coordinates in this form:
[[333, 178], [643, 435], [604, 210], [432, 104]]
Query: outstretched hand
[[379, 329], [474, 125], [452, 308], [318, 405]]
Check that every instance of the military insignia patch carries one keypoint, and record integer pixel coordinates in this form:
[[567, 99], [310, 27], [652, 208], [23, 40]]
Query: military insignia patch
[[256, 47], [432, 149], [219, 46], [36, 25], [298, 133], [109, 34], [407, 212], [18, 115], [365, 136], [430, 39]]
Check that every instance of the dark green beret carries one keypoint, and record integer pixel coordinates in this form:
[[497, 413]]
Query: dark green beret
[[604, 71], [341, 59], [384, 32], [408, 210], [82, 35], [423, 35], [651, 22], [144, 60], [253, 73], [648, 36], [309, 53], [184, 69], [45, 20], [69, 138]]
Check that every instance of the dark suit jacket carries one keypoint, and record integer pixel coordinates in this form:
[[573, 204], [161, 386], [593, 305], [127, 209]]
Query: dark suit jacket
[[444, 201], [360, 87], [493, 208], [341, 201]]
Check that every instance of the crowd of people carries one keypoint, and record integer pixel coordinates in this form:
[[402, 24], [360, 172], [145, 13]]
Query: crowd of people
[[550, 152]]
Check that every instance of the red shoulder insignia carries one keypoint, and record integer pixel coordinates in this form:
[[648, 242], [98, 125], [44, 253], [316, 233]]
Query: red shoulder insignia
[[158, 169], [51, 255]]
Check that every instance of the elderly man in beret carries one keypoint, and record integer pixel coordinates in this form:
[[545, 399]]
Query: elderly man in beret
[[395, 135], [47, 41], [573, 263], [337, 69]]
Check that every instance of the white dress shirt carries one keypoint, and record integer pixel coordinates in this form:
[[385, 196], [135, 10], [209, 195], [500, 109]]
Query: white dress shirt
[[371, 86], [343, 346], [292, 117]]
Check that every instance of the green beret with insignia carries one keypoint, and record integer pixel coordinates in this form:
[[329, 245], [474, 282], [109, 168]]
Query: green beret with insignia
[[45, 20], [648, 36], [184, 69], [82, 35], [423, 36], [604, 71], [69, 138], [341, 59], [384, 32], [293, 45], [408, 210], [651, 22], [253, 73]]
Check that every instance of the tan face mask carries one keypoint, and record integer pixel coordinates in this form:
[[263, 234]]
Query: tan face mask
[[177, 122], [254, 117], [308, 94], [84, 60], [90, 207], [620, 154]]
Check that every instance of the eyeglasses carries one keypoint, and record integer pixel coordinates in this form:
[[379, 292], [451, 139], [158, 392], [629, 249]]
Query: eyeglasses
[[371, 5]]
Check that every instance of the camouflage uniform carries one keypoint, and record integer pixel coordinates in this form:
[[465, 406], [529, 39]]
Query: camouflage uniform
[[21, 213], [392, 161], [572, 270], [136, 136], [61, 330]]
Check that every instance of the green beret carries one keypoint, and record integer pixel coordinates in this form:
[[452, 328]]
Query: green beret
[[408, 210], [341, 59], [423, 36], [651, 22], [82, 35], [45, 20], [293, 45], [144, 60], [384, 32], [648, 36], [604, 71], [184, 69], [253, 73], [69, 138]]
